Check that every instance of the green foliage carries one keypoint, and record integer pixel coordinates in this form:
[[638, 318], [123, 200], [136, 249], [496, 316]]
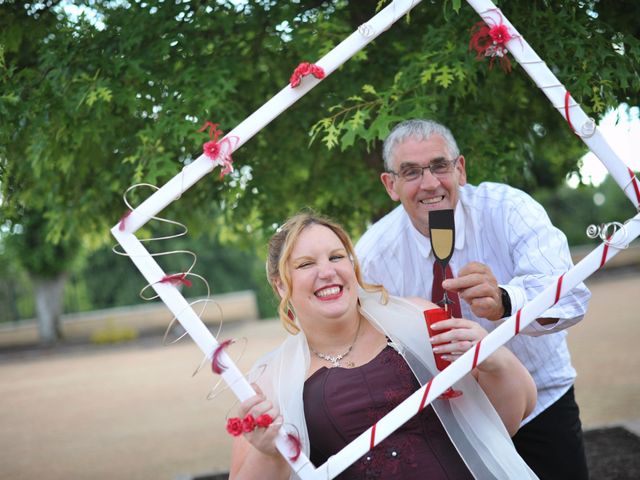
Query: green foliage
[[573, 210], [102, 101]]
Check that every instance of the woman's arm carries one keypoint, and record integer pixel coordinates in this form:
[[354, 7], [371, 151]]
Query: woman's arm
[[254, 454], [509, 387], [249, 463], [505, 381]]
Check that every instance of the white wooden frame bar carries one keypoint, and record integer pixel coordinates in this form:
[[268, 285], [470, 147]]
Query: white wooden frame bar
[[190, 174]]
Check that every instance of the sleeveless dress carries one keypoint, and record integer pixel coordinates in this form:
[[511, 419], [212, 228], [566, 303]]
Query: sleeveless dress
[[341, 403]]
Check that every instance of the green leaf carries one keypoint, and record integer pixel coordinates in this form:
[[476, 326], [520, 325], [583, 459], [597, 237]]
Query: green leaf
[[445, 76], [427, 74], [369, 89], [331, 137]]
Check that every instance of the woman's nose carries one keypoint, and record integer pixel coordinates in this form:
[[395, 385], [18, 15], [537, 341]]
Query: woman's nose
[[326, 270]]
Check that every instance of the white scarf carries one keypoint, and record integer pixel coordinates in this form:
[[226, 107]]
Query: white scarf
[[470, 421]]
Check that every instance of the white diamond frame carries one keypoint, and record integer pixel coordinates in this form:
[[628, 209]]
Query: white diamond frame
[[367, 32]]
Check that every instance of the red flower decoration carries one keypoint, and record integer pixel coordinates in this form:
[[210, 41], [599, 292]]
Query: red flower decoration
[[264, 420], [500, 34], [303, 70], [248, 423], [234, 426], [490, 41], [213, 148]]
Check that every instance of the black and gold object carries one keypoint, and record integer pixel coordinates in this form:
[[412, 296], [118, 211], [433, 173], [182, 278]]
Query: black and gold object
[[442, 232]]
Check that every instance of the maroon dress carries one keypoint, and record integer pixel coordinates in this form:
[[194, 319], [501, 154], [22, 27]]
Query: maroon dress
[[341, 403]]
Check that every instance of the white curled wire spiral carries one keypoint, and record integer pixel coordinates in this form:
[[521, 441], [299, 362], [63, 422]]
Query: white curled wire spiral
[[605, 232]]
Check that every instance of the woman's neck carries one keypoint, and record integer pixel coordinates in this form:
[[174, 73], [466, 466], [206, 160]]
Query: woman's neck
[[334, 336]]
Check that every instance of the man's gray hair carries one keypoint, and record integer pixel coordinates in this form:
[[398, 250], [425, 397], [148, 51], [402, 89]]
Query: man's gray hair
[[418, 129]]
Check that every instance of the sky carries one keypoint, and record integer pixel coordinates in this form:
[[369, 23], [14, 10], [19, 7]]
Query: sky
[[623, 135]]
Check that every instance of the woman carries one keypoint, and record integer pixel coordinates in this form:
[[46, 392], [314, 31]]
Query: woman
[[353, 355]]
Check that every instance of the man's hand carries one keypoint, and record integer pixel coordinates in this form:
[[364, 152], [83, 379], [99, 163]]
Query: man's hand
[[477, 286]]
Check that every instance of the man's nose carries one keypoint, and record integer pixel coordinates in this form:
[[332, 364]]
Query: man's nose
[[428, 181]]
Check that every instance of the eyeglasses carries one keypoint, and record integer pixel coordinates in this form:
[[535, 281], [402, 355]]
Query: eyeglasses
[[439, 168]]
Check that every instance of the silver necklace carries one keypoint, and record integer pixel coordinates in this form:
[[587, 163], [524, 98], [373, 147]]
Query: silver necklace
[[335, 359]]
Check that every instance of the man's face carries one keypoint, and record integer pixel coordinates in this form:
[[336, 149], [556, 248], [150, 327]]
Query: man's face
[[427, 192]]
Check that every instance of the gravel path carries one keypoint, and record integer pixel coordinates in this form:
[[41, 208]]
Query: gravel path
[[135, 412]]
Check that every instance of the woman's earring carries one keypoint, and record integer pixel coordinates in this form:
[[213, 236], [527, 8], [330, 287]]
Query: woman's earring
[[290, 314]]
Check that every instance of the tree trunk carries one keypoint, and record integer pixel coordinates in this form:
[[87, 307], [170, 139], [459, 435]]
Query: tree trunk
[[49, 307]]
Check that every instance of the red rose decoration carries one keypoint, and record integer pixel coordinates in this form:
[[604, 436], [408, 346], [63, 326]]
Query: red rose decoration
[[248, 424], [264, 420], [500, 34], [211, 149], [303, 70], [234, 426]]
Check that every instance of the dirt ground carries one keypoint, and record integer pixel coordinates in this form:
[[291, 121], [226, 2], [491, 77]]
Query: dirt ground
[[134, 411]]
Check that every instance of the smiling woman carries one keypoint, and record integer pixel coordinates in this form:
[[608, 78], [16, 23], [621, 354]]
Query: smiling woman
[[343, 368]]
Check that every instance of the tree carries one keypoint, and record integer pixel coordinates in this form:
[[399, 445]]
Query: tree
[[98, 103]]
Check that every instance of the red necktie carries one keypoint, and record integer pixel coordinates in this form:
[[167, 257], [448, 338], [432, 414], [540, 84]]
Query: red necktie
[[437, 292]]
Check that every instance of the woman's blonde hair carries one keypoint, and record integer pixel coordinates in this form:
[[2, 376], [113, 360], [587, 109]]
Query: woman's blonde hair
[[280, 248]]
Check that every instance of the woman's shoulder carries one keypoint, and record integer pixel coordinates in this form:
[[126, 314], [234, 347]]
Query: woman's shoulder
[[421, 303]]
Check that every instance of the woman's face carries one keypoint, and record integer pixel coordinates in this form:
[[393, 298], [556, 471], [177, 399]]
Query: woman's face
[[323, 280]]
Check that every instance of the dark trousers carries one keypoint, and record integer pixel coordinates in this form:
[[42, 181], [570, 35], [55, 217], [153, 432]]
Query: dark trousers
[[552, 443]]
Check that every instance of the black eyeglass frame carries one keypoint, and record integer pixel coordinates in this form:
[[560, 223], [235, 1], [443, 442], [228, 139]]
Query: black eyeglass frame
[[449, 163]]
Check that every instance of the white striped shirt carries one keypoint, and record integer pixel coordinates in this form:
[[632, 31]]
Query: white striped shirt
[[507, 230]]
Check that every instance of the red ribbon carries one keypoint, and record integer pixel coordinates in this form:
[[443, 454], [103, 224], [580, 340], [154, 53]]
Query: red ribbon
[[176, 279], [303, 70], [476, 355], [558, 289], [372, 442], [518, 321], [216, 365], [424, 397], [296, 445], [634, 181], [605, 250], [567, 96], [121, 226]]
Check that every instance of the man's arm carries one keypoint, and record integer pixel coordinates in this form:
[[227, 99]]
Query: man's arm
[[539, 254]]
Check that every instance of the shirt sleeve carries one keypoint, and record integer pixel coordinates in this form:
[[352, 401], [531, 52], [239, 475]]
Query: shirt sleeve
[[540, 255]]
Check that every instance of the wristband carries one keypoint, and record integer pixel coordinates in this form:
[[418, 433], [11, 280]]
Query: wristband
[[506, 302]]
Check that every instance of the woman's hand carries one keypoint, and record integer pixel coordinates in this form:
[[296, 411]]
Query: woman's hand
[[254, 455], [262, 438], [462, 336]]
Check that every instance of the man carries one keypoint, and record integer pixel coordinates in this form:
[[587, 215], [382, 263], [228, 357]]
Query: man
[[506, 252]]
